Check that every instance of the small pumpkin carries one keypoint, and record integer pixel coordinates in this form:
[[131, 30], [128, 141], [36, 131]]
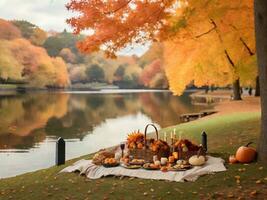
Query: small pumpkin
[[245, 154], [232, 159], [197, 160]]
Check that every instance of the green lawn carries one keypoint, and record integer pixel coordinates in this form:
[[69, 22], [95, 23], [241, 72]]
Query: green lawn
[[225, 133], [7, 86]]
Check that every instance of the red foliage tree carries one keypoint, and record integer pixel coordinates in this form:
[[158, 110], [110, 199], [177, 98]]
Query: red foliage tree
[[8, 31]]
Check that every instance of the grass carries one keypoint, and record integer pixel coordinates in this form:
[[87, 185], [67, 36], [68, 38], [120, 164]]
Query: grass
[[7, 86], [225, 133]]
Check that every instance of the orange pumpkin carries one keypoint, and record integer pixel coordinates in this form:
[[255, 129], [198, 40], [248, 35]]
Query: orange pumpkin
[[232, 159], [245, 154]]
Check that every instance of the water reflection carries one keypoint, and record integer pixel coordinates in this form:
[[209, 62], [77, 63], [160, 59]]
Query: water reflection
[[30, 123]]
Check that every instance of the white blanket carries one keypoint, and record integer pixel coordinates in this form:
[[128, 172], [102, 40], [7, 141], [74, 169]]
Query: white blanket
[[92, 171]]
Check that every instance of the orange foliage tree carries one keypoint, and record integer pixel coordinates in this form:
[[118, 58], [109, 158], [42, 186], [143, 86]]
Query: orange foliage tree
[[8, 31], [150, 71], [188, 26], [116, 23]]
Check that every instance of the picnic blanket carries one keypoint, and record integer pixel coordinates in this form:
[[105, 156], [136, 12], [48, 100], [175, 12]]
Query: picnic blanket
[[92, 171]]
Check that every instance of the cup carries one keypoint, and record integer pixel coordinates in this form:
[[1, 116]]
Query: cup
[[155, 158], [163, 161]]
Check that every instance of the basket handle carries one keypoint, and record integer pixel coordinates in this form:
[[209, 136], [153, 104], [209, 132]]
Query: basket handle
[[157, 133]]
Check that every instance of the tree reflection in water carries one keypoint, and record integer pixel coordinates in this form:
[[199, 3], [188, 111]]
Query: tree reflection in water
[[28, 119]]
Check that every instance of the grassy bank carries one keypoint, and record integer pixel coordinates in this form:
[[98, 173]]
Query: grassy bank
[[225, 133]]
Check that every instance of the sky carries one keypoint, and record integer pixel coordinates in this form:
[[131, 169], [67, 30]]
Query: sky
[[48, 15]]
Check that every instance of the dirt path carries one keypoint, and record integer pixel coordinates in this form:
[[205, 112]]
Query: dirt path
[[247, 104]]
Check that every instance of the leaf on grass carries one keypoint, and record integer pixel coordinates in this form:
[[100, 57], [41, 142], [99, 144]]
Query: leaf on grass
[[253, 193]]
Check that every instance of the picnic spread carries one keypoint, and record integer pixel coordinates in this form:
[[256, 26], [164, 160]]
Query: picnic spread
[[151, 158]]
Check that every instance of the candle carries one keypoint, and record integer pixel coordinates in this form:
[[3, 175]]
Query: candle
[[171, 135], [175, 133], [165, 137]]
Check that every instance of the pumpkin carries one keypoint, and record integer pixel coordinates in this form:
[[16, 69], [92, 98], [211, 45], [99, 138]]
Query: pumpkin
[[197, 160], [232, 159], [245, 154]]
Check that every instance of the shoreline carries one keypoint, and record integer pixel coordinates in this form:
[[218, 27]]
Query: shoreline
[[248, 105]]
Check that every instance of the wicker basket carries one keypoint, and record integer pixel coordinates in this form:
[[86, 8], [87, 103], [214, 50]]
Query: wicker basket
[[146, 153]]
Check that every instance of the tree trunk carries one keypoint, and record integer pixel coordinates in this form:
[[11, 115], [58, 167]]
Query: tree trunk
[[236, 90], [260, 8], [257, 89]]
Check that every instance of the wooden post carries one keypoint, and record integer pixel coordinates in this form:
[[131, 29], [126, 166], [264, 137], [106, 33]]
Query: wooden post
[[60, 152], [204, 141]]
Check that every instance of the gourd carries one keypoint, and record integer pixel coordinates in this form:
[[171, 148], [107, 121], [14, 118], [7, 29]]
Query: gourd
[[232, 159], [245, 154], [197, 160]]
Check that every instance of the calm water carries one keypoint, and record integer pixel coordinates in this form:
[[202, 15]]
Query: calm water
[[31, 123]]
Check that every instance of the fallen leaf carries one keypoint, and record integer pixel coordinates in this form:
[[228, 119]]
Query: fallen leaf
[[253, 193], [230, 195]]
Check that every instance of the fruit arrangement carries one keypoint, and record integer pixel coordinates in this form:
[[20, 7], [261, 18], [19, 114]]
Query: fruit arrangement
[[101, 156], [110, 162], [158, 145], [185, 145], [135, 140]]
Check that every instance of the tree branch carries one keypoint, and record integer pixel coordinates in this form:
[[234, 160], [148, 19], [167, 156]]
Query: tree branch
[[205, 33], [247, 47], [117, 9]]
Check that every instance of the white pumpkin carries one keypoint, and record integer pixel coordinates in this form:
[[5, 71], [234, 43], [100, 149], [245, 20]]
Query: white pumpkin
[[197, 160]]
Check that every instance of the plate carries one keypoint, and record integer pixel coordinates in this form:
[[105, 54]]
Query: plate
[[180, 168], [137, 162], [131, 166], [147, 167], [111, 165]]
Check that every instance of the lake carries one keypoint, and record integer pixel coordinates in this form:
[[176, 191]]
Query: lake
[[30, 123]]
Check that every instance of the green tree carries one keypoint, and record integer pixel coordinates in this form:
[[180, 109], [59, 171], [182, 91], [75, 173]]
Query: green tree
[[31, 31], [119, 73], [95, 73]]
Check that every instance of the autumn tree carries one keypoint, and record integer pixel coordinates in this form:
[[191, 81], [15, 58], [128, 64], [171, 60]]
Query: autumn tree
[[77, 73], [150, 72], [67, 55], [118, 23], [10, 68], [260, 12], [95, 73], [30, 31], [8, 31]]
